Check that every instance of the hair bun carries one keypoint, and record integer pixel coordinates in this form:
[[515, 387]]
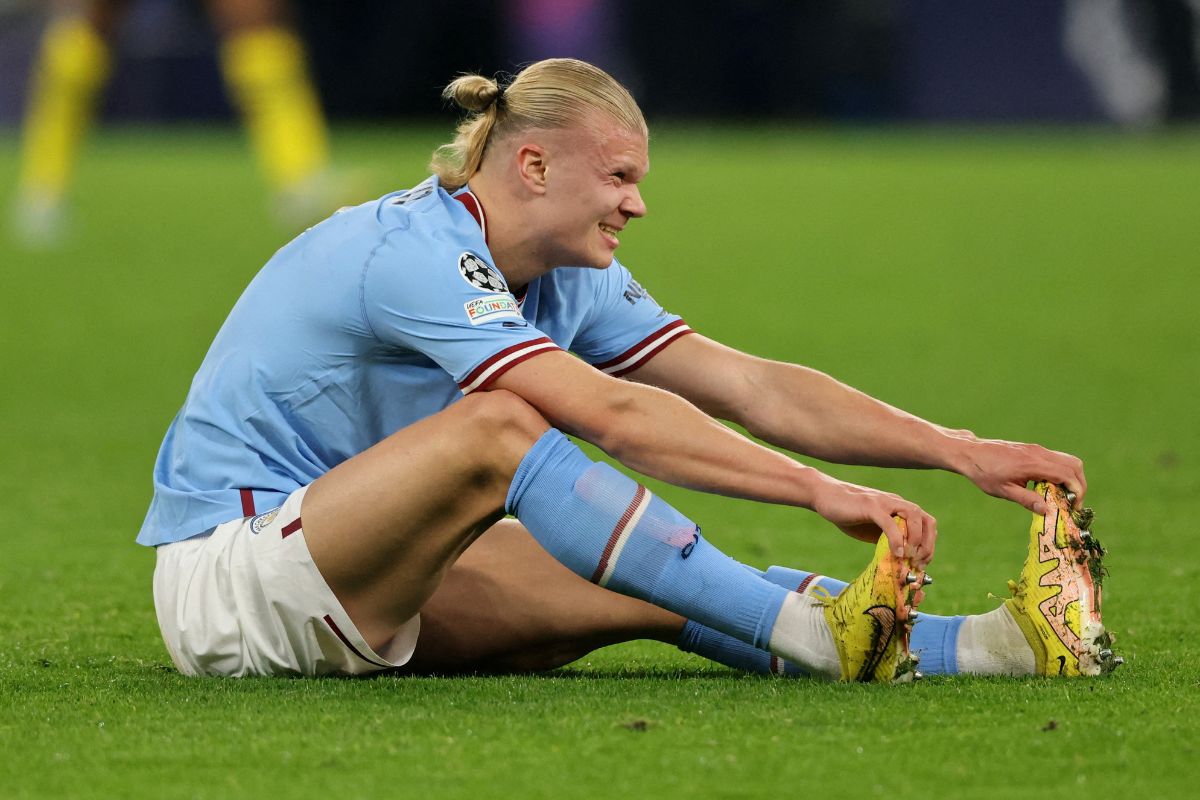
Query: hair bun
[[473, 92]]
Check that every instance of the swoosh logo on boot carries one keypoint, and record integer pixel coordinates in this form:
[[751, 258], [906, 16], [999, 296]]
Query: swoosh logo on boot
[[884, 618]]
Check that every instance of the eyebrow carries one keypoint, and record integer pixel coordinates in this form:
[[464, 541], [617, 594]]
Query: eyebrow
[[628, 167]]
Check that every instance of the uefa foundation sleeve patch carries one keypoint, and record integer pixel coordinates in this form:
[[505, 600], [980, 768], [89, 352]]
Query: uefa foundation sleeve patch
[[483, 309]]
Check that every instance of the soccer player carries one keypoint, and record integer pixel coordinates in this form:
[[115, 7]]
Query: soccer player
[[263, 64], [332, 497]]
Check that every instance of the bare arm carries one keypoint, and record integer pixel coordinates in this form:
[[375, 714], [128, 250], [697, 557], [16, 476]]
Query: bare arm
[[661, 434], [809, 412]]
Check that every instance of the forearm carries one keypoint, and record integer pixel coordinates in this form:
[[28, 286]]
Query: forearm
[[664, 436], [809, 412]]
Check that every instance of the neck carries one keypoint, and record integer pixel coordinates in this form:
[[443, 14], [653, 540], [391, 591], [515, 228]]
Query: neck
[[509, 237]]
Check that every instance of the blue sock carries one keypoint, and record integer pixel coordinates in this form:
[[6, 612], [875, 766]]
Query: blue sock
[[716, 646], [934, 638], [609, 529], [800, 581]]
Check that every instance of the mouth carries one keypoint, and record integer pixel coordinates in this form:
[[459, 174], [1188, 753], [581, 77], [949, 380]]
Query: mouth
[[610, 233]]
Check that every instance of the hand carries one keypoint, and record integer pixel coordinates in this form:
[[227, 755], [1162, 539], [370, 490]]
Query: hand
[[862, 513], [1002, 469]]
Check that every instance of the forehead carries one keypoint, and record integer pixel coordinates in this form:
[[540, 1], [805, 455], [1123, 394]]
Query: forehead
[[603, 141]]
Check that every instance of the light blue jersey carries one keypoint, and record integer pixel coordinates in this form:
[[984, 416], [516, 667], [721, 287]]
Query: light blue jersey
[[374, 319]]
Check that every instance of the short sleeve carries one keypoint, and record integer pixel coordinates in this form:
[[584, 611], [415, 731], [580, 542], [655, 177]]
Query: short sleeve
[[451, 305], [626, 327]]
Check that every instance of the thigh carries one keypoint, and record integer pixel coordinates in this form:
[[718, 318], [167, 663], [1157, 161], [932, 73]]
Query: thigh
[[384, 526], [248, 600], [507, 605]]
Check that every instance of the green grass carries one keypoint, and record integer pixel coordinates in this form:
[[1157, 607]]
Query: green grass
[[1030, 285]]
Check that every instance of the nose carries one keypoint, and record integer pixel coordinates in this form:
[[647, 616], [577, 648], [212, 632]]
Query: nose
[[633, 206]]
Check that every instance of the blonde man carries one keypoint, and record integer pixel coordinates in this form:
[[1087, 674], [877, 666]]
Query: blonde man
[[332, 496]]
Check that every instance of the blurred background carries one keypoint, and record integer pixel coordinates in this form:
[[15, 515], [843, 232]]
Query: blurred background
[[1131, 62], [289, 70]]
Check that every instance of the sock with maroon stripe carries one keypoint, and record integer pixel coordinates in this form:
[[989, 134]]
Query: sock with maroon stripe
[[609, 529]]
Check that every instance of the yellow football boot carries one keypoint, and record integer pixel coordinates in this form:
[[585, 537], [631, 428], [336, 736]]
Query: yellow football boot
[[1056, 603], [872, 617]]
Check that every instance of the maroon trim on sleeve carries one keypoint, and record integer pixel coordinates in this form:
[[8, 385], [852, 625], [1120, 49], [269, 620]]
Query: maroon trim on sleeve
[[644, 350], [503, 361]]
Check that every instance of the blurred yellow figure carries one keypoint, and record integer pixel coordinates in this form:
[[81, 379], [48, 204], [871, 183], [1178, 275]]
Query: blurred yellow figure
[[263, 63]]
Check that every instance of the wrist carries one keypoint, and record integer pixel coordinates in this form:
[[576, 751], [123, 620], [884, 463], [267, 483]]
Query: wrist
[[957, 451], [811, 484]]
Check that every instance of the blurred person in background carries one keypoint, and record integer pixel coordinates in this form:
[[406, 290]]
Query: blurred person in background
[[263, 64], [1140, 56]]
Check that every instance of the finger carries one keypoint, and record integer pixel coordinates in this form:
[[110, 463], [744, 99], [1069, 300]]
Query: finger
[[918, 534], [1025, 497], [915, 531], [1077, 483], [894, 529], [928, 541]]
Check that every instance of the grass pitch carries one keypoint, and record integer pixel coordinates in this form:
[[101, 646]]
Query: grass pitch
[[1029, 285]]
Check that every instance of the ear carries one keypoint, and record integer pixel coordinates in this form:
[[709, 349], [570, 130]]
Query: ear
[[532, 167]]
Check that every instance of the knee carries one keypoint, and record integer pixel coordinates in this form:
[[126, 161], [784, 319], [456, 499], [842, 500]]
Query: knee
[[509, 424]]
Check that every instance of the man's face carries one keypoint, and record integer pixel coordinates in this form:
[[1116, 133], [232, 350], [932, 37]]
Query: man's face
[[592, 175]]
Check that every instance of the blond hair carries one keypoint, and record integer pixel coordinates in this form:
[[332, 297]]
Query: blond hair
[[552, 94]]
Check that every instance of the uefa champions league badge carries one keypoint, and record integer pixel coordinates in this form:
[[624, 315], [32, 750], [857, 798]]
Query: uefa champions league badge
[[480, 274], [259, 523]]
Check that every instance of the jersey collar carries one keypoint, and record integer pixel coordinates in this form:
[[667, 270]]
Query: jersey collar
[[474, 207]]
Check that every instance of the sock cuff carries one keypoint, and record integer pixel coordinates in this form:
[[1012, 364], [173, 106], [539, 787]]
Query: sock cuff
[[551, 447], [690, 637]]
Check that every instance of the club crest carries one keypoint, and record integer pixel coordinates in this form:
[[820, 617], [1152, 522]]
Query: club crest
[[263, 520], [480, 274]]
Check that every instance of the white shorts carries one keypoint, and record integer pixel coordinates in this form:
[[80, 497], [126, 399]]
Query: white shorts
[[247, 599]]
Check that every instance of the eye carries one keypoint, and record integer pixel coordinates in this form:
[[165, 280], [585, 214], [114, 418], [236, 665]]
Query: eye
[[620, 176]]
